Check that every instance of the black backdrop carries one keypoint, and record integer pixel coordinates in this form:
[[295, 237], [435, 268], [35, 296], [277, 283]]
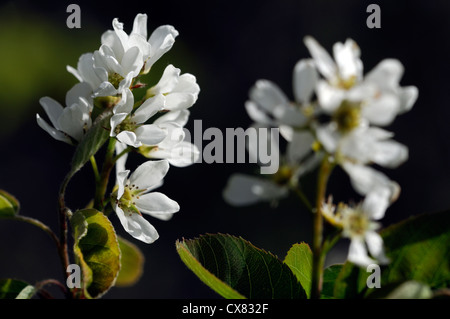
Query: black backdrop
[[228, 45]]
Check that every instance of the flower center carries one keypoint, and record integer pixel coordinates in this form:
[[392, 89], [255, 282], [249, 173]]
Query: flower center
[[128, 200], [126, 125], [115, 79], [283, 175], [347, 116], [355, 222]]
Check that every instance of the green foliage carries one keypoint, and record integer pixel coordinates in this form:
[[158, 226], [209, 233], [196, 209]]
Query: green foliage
[[131, 263], [15, 289], [9, 205], [96, 250], [299, 259], [330, 275], [235, 268], [419, 249], [94, 139]]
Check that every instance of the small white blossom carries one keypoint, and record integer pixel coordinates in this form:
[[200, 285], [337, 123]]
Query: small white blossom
[[359, 224], [174, 147], [269, 106], [129, 127], [135, 197], [242, 190], [70, 122], [180, 91]]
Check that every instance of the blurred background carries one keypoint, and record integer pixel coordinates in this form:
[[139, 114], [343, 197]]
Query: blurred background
[[227, 45]]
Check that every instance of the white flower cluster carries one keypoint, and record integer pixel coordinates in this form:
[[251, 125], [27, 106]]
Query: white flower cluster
[[337, 115], [153, 125]]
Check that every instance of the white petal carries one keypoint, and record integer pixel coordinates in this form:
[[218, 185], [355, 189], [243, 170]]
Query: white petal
[[300, 146], [53, 110], [322, 59], [73, 120], [176, 101], [375, 245], [357, 253], [181, 155], [82, 89], [179, 117], [132, 62], [128, 138], [57, 135], [267, 95], [120, 163], [382, 110], [140, 25], [287, 114], [257, 114], [137, 226], [156, 204], [116, 120], [111, 39], [150, 134], [408, 96], [149, 174], [386, 74], [121, 178], [389, 154], [305, 80], [105, 89], [243, 190], [168, 80], [149, 108], [330, 97], [126, 103], [328, 136], [376, 202], [365, 179], [161, 41], [347, 59]]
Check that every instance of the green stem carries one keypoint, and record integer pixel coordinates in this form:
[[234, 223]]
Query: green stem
[[102, 183], [95, 168], [64, 213], [318, 255]]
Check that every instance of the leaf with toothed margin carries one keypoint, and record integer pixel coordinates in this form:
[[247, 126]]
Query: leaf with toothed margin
[[235, 268]]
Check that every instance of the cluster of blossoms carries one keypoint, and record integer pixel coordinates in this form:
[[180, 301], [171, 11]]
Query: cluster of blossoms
[[153, 126], [336, 117]]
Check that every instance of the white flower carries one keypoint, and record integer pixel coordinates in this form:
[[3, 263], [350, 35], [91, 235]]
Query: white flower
[[359, 225], [144, 53], [174, 147], [134, 198], [268, 105], [129, 127], [242, 190], [98, 77], [352, 99], [70, 122], [180, 91]]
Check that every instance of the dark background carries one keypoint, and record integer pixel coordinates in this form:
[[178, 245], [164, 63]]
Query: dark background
[[227, 45]]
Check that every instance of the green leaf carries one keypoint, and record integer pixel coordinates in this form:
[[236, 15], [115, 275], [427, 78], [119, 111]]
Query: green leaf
[[299, 260], [234, 268], [411, 290], [92, 141], [419, 250], [15, 289], [9, 205], [330, 275], [96, 250], [132, 263]]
